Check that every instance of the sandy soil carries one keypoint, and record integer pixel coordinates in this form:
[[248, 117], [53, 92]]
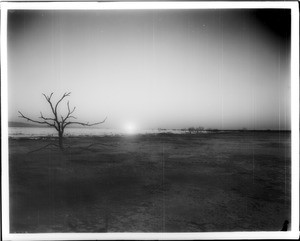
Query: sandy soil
[[151, 183]]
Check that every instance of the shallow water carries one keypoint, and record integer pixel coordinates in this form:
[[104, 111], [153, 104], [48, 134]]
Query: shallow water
[[30, 132]]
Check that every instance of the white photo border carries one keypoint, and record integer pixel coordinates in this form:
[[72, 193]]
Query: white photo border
[[293, 6]]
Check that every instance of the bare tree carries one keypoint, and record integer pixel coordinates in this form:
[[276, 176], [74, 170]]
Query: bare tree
[[191, 130], [57, 121], [199, 129]]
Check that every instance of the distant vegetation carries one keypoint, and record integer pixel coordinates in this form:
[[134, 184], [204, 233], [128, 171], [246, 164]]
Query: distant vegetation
[[191, 130], [200, 129], [195, 130]]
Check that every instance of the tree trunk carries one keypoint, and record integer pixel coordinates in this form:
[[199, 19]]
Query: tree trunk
[[60, 140]]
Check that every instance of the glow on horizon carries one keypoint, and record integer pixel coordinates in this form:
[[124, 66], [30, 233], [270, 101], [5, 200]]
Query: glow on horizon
[[130, 128]]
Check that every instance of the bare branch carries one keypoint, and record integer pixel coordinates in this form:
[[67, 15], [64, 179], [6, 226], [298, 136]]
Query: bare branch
[[69, 111], [83, 124], [48, 98], [68, 115], [35, 121], [56, 125], [46, 118], [64, 96]]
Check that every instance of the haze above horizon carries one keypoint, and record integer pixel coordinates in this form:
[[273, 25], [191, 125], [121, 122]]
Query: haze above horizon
[[149, 69]]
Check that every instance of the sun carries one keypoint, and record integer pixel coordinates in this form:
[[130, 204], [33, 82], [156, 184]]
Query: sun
[[130, 128]]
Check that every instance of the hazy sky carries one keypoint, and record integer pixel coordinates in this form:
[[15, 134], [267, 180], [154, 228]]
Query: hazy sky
[[224, 69]]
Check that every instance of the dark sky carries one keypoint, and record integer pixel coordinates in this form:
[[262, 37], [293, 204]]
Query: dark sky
[[225, 69]]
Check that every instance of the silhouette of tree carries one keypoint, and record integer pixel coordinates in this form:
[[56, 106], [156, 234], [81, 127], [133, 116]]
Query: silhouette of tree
[[191, 130], [196, 130], [199, 129], [57, 121]]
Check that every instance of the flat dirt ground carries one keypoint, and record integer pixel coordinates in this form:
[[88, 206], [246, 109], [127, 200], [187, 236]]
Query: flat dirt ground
[[237, 181]]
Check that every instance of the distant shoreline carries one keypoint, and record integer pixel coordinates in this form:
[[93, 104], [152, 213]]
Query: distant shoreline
[[27, 125], [122, 135]]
